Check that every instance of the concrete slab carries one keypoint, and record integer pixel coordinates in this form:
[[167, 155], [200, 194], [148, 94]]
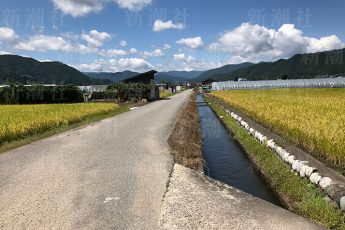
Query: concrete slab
[[195, 201]]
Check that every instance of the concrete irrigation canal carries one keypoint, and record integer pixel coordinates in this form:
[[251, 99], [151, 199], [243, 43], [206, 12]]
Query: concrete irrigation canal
[[217, 200], [225, 160]]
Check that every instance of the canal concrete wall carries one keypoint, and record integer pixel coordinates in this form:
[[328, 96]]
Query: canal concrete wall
[[195, 201]]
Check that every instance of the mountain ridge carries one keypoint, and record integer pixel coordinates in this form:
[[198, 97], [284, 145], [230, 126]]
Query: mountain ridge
[[26, 70], [222, 70], [299, 66]]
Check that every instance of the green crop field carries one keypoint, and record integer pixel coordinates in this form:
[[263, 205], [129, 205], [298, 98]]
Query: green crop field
[[19, 121], [311, 118]]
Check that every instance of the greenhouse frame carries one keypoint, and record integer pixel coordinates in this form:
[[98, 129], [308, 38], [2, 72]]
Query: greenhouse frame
[[272, 84]]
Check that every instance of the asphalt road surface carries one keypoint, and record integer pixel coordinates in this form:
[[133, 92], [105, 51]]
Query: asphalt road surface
[[111, 174]]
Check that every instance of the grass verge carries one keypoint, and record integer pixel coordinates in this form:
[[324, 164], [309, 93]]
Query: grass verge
[[29, 139], [165, 95], [298, 194], [185, 140]]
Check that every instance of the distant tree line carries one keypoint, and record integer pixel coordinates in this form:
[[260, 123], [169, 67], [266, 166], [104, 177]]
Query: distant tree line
[[39, 94]]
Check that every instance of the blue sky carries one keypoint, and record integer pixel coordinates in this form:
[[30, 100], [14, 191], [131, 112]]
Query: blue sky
[[115, 35]]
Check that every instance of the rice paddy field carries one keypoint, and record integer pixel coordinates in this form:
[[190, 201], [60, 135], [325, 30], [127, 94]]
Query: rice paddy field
[[19, 121], [313, 119]]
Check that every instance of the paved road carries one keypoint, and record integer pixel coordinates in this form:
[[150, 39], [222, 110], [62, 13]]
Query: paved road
[[108, 175]]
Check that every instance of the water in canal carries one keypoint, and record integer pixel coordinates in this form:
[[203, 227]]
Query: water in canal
[[225, 160]]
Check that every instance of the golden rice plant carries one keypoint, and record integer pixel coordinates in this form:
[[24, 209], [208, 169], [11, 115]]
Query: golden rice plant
[[18, 121], [314, 119]]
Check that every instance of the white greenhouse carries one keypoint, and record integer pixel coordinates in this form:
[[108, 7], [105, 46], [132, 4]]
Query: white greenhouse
[[271, 84]]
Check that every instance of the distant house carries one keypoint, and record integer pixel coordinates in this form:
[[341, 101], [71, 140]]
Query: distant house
[[93, 88], [162, 86], [167, 87], [89, 90]]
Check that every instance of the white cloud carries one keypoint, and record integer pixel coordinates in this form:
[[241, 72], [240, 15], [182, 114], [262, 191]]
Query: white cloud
[[80, 48], [154, 53], [179, 57], [115, 52], [160, 25], [184, 58], [44, 43], [113, 65], [7, 35], [134, 64], [96, 66], [78, 8], [192, 43], [200, 65], [133, 51], [189, 63], [95, 38], [123, 43], [324, 43], [183, 62], [133, 5], [157, 53], [2, 52], [166, 47], [70, 36], [66, 42], [257, 43]]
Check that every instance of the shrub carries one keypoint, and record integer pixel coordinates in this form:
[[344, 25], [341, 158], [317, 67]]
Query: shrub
[[40, 94]]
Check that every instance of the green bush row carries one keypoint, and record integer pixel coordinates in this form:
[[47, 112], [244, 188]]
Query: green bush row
[[129, 91], [40, 94]]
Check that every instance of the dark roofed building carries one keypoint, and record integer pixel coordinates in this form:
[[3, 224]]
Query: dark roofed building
[[207, 81], [146, 78]]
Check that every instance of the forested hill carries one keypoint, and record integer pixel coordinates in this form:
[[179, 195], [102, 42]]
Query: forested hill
[[226, 69], [299, 66], [25, 70]]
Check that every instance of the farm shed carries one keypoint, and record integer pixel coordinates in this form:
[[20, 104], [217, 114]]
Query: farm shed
[[207, 81], [272, 84], [146, 78]]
